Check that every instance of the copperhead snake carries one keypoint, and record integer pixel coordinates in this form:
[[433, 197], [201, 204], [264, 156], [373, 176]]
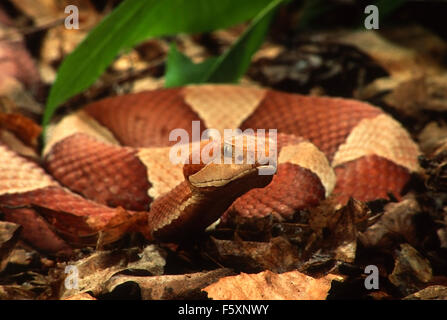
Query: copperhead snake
[[106, 167]]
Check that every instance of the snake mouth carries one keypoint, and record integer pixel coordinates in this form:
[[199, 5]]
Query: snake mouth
[[220, 175]]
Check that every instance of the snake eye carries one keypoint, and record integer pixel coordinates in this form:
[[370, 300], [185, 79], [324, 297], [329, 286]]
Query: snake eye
[[228, 150]]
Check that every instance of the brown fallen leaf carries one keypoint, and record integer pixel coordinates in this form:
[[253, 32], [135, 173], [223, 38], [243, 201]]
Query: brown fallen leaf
[[59, 40], [277, 255], [331, 68], [94, 271], [26, 285], [168, 287], [267, 285], [40, 10], [336, 229], [433, 138], [22, 127], [15, 60], [418, 94], [411, 270], [80, 296], [397, 224], [16, 292], [24, 258], [436, 169], [435, 292], [404, 52], [435, 165], [9, 235], [15, 98], [413, 56]]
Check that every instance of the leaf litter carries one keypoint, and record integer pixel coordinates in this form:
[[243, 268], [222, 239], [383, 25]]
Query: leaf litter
[[319, 254]]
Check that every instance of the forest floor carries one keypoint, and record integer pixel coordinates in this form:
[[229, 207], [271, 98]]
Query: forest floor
[[324, 252]]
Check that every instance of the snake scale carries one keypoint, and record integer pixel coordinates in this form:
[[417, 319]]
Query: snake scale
[[106, 169]]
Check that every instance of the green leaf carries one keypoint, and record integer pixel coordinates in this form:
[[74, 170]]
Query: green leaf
[[134, 21], [181, 70], [228, 67]]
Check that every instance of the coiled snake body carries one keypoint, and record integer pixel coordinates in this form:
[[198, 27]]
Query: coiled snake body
[[107, 167]]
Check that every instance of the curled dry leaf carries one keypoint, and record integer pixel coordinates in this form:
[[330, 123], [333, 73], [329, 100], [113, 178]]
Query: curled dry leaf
[[404, 52], [59, 41], [80, 296], [16, 292], [411, 270], [24, 128], [15, 144], [9, 235], [435, 166], [427, 92], [271, 286], [430, 293], [26, 285], [433, 138], [336, 69], [14, 97], [168, 287], [413, 56], [277, 255], [396, 224], [436, 169], [23, 258], [15, 60], [41, 11], [335, 230], [95, 271]]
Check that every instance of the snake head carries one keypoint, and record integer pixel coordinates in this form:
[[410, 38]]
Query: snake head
[[225, 161], [211, 185]]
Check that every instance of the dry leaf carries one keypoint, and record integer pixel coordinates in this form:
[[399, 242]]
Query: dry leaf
[[60, 41], [15, 60], [403, 57], [277, 255], [433, 137], [309, 67], [80, 296], [14, 97], [429, 293], [271, 286], [16, 292], [415, 95], [411, 270], [436, 169], [168, 287], [9, 235], [44, 11], [24, 128], [395, 225], [95, 271], [335, 230]]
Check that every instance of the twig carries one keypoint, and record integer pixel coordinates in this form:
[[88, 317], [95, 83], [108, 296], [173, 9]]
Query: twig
[[16, 35]]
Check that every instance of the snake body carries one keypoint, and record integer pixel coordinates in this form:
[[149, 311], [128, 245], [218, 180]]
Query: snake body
[[106, 168]]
